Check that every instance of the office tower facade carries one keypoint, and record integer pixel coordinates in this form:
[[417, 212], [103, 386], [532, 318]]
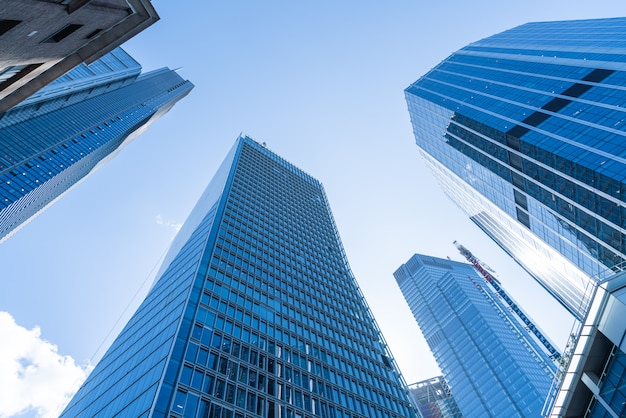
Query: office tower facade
[[255, 313], [434, 399], [595, 380], [493, 366], [42, 40], [525, 132], [58, 136]]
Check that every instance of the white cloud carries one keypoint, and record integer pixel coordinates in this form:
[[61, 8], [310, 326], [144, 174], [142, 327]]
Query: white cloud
[[34, 378], [161, 221]]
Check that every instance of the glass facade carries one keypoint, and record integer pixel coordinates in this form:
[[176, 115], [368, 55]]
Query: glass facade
[[612, 396], [63, 132], [525, 131], [434, 400], [493, 366], [594, 379], [255, 313]]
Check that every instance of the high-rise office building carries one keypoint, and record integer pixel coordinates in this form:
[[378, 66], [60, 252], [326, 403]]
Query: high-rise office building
[[62, 133], [594, 384], [255, 313], [526, 132], [42, 40], [434, 399], [493, 366]]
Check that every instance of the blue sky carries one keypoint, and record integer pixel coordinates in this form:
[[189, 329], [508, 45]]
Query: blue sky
[[322, 84]]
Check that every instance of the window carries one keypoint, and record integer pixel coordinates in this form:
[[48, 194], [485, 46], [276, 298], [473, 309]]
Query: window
[[520, 199], [75, 5], [12, 74], [8, 24], [9, 72], [523, 217], [63, 33], [93, 33]]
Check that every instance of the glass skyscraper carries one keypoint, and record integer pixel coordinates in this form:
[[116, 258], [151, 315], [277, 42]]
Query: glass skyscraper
[[255, 313], [59, 135], [493, 366], [434, 399], [526, 132], [594, 383]]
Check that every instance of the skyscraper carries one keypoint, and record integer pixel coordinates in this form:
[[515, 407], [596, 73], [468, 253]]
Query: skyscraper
[[62, 133], [493, 366], [594, 384], [525, 131], [434, 399], [255, 313]]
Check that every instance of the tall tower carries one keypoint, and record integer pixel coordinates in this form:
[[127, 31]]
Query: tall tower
[[62, 133], [255, 313], [434, 399], [493, 366], [525, 131]]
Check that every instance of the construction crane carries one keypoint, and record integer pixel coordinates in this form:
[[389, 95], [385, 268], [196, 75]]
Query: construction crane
[[496, 285]]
